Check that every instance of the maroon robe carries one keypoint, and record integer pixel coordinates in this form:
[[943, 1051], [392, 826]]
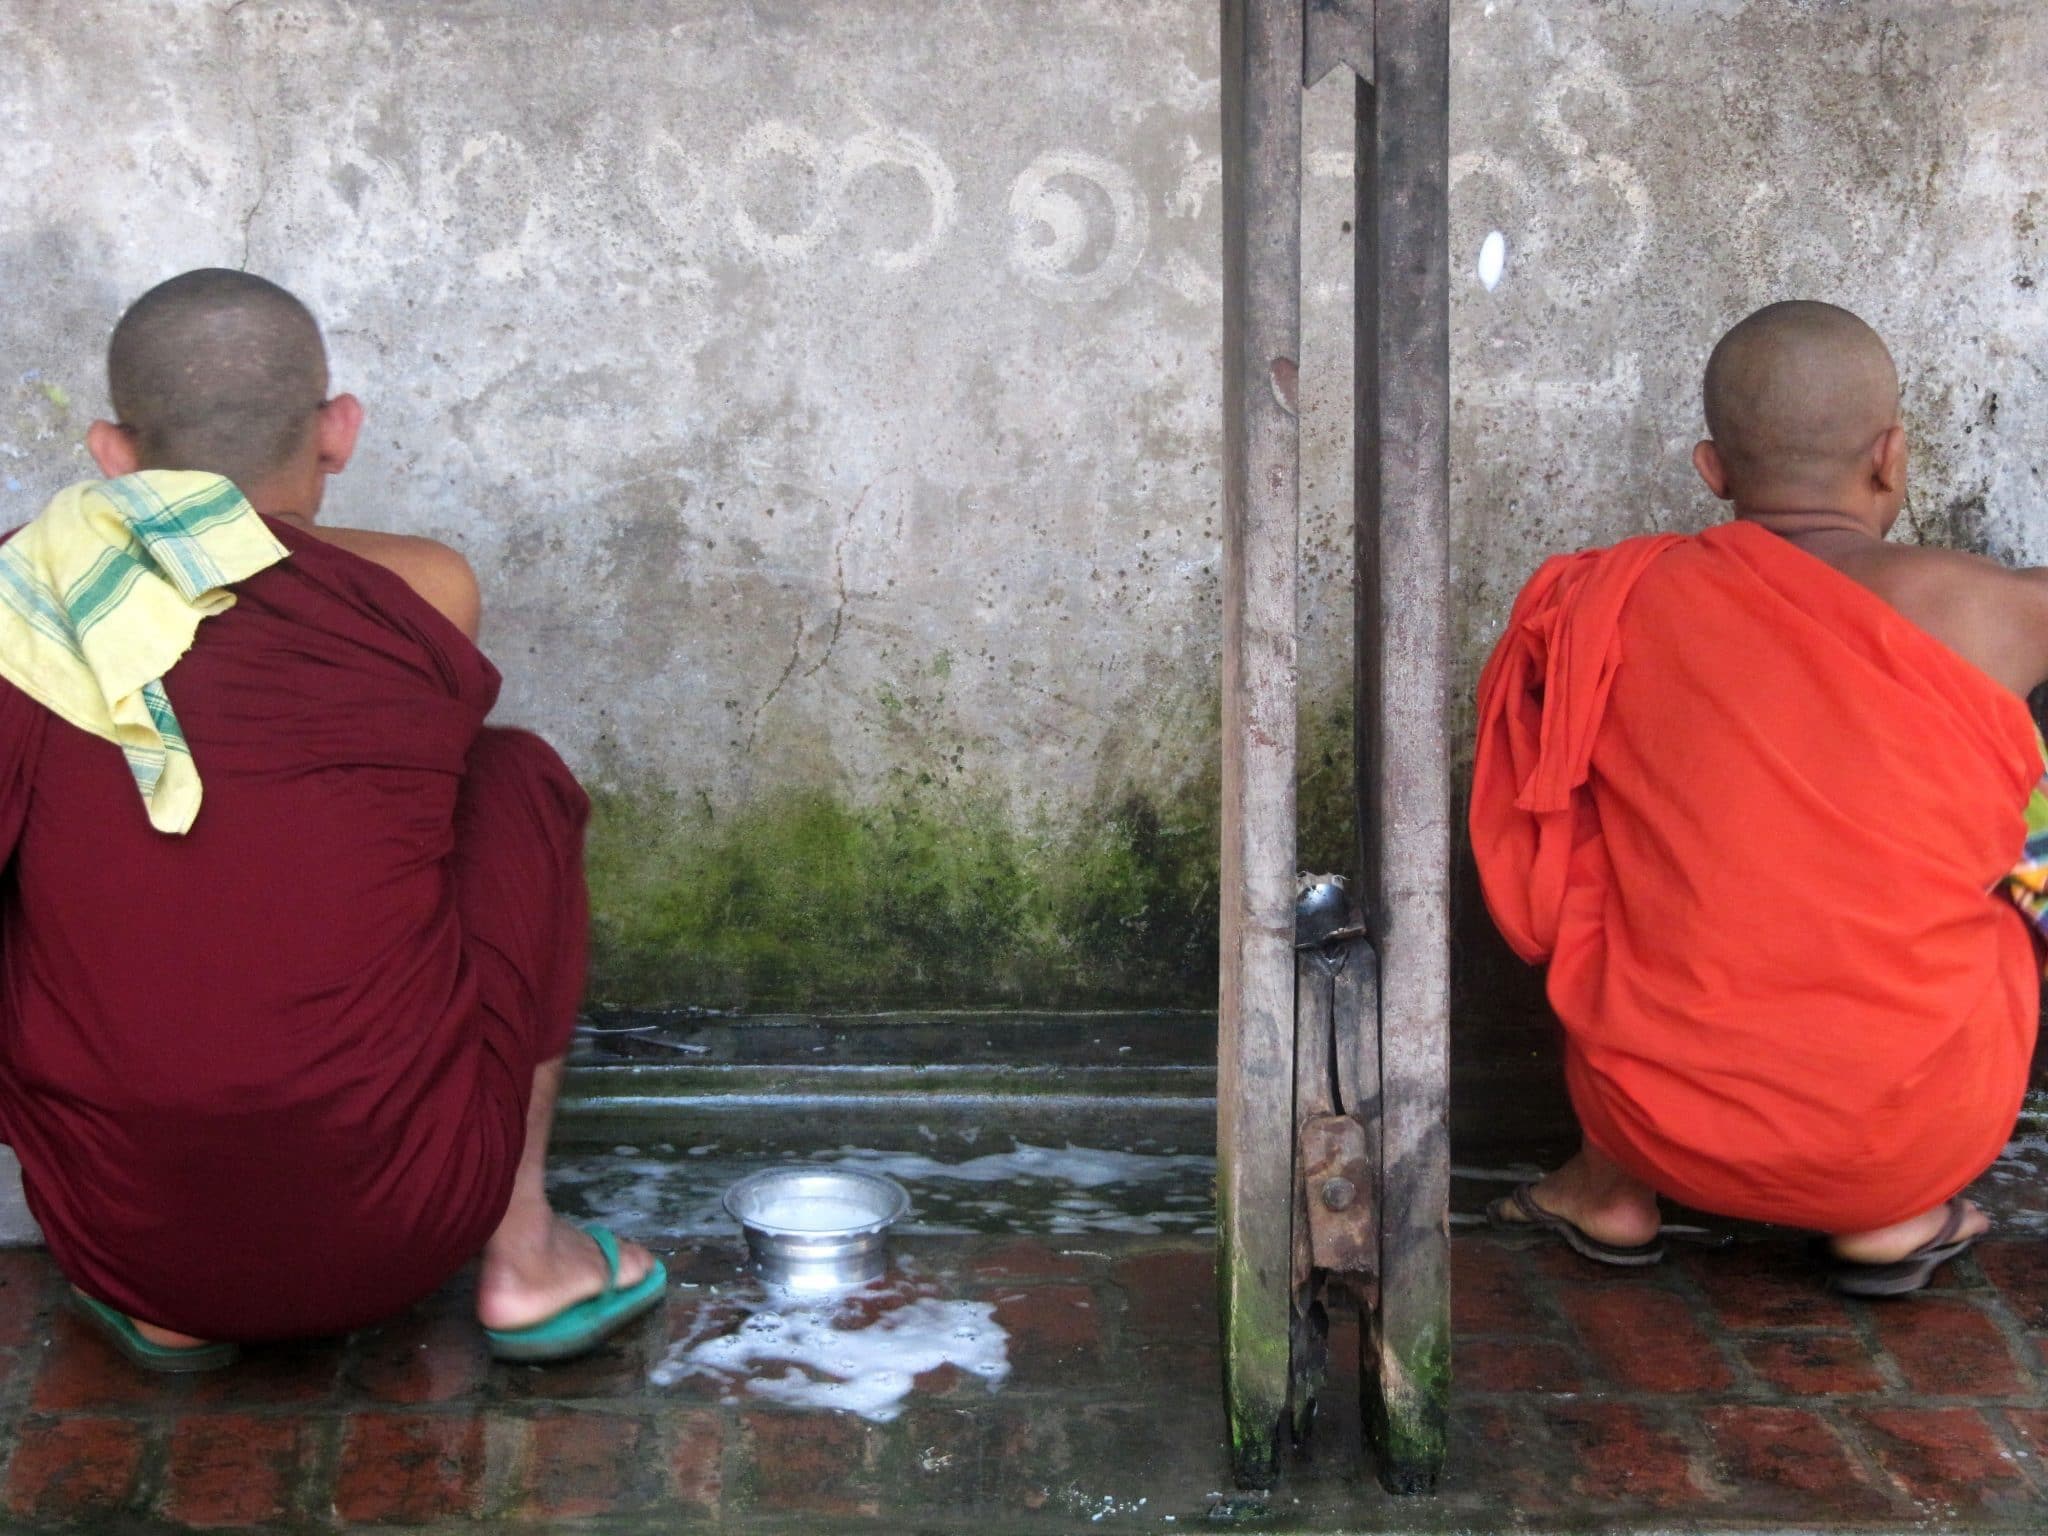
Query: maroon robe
[[270, 1078]]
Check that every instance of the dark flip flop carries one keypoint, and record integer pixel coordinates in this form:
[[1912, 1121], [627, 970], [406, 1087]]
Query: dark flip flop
[[177, 1360], [1519, 1212], [1904, 1276]]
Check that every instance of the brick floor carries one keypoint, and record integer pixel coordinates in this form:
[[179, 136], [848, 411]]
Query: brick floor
[[1719, 1391]]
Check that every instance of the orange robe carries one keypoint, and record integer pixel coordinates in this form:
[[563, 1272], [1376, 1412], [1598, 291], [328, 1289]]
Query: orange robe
[[1755, 821]]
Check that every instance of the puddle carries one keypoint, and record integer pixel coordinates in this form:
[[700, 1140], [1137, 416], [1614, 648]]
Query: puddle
[[2015, 1190], [967, 1178], [666, 1192], [862, 1352], [858, 1352]]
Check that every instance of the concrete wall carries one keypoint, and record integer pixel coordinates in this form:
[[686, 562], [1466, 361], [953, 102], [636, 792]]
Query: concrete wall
[[826, 389]]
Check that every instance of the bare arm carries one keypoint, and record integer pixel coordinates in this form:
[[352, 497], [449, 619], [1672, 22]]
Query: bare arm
[[437, 573], [1988, 613], [2031, 611], [1992, 616]]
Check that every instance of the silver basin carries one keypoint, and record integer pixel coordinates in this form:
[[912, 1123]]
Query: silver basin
[[812, 1228]]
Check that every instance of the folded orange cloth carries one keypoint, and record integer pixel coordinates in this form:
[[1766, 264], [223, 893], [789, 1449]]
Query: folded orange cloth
[[1756, 822]]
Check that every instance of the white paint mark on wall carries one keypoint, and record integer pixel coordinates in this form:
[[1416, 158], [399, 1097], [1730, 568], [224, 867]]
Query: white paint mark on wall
[[778, 140], [881, 147], [1493, 260], [1186, 274], [1190, 194], [1621, 389], [1512, 197], [1039, 207], [673, 186], [1585, 76], [1335, 164]]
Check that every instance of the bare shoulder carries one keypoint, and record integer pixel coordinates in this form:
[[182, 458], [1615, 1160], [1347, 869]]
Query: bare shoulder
[[1991, 614], [439, 574], [1948, 578]]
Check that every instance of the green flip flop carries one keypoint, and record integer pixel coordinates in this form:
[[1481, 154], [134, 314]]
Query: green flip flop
[[171, 1359], [583, 1325]]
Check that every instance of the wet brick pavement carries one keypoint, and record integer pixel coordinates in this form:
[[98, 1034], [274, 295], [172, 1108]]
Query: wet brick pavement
[[1721, 1391]]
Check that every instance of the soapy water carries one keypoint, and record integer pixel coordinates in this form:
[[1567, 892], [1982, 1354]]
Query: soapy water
[[813, 1213], [857, 1352], [1037, 1190]]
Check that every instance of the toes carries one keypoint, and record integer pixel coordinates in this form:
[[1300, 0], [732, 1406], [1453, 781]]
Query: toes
[[635, 1264]]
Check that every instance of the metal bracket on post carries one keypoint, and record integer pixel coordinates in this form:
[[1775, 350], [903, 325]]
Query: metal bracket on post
[[1337, 1174], [1337, 1186]]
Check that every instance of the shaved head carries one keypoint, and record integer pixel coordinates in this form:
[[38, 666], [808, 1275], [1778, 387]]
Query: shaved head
[[218, 370], [1797, 395]]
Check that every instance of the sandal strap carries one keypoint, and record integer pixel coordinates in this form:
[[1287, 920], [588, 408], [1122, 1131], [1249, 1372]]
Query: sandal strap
[[607, 1245], [1524, 1200], [1958, 1213]]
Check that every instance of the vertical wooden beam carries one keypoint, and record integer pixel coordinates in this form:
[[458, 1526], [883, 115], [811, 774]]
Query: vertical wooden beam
[[1262, 61], [1403, 287]]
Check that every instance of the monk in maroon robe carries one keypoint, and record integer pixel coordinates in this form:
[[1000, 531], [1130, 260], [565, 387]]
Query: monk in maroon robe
[[286, 1073]]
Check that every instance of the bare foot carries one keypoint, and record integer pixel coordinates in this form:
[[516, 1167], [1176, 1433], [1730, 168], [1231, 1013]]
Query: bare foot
[[1601, 1201], [530, 1275], [1887, 1245], [166, 1338]]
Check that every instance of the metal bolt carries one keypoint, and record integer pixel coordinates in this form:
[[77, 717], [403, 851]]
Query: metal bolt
[[1339, 1193]]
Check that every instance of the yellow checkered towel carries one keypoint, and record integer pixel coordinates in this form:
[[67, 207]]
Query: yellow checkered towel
[[101, 595]]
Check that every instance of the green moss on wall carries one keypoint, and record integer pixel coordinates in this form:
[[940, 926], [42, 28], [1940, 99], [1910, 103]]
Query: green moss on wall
[[800, 899]]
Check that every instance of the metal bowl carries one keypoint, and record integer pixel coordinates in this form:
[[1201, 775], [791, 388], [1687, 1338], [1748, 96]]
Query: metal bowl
[[813, 1228]]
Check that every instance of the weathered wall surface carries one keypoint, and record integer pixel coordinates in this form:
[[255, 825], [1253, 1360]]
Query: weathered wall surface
[[826, 389]]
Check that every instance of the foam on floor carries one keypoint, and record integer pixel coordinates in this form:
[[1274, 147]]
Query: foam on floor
[[839, 1354]]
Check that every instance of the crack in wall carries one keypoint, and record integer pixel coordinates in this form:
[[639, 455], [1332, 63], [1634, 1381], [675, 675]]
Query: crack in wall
[[796, 649], [839, 585], [249, 218], [256, 133]]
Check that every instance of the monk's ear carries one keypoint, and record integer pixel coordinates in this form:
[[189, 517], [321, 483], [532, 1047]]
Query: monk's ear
[[335, 433], [1888, 461], [1706, 458], [113, 448]]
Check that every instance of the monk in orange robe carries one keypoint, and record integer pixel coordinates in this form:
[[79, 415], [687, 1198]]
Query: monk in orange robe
[[1752, 795]]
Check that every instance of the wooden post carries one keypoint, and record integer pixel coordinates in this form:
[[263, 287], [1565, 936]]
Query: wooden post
[[1262, 62], [1403, 411]]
